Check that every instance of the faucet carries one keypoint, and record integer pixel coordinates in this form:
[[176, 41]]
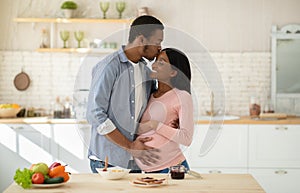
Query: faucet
[[212, 103], [211, 112]]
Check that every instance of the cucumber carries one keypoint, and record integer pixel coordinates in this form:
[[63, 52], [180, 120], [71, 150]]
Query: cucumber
[[54, 180]]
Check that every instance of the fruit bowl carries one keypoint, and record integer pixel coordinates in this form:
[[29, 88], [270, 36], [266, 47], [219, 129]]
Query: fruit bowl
[[113, 173], [9, 112]]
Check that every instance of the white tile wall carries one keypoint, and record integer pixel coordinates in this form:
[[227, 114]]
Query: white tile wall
[[243, 74], [53, 74]]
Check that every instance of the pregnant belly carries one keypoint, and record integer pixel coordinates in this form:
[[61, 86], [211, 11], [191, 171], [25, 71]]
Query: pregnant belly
[[157, 141]]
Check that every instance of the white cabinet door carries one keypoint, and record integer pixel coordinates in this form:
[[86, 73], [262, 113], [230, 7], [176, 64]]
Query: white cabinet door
[[230, 149], [278, 180], [20, 146], [273, 146], [72, 142], [30, 142], [221, 170]]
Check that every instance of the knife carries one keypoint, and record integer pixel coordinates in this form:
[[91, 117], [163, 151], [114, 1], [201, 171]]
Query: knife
[[194, 173]]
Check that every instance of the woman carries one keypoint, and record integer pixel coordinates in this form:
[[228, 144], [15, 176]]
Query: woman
[[172, 101]]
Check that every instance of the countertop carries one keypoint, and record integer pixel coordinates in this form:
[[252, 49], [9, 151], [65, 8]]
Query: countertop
[[248, 120], [242, 120], [211, 183], [40, 120]]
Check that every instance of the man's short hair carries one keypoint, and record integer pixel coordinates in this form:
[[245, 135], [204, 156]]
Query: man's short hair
[[144, 25]]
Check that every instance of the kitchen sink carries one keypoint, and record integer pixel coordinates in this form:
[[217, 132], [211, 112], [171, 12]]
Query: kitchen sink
[[219, 117]]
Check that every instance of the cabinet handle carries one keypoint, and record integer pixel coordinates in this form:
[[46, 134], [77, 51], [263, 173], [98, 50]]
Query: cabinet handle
[[18, 128], [281, 172], [215, 172], [215, 127], [282, 128]]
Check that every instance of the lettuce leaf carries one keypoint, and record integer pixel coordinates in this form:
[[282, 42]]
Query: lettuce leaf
[[23, 178]]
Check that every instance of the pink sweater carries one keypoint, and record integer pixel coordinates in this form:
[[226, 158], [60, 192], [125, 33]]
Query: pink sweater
[[175, 104]]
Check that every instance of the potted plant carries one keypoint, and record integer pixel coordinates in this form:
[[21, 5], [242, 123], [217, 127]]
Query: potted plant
[[68, 7]]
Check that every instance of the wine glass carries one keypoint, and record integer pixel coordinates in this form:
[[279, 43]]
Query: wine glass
[[104, 7], [79, 37], [120, 5], [64, 35]]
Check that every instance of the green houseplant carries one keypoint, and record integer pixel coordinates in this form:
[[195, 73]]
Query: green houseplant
[[68, 8]]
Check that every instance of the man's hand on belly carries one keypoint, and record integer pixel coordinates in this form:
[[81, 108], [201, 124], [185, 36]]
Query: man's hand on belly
[[147, 155]]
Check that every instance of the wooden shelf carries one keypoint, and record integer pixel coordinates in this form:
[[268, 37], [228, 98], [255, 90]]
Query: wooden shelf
[[71, 20], [53, 26], [77, 50]]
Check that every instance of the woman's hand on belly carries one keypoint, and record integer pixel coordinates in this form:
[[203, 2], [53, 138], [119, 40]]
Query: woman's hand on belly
[[147, 126]]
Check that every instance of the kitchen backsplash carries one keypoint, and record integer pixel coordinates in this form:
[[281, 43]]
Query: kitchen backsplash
[[51, 75], [54, 74]]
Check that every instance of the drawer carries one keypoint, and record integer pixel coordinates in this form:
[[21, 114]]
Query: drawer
[[277, 180], [274, 146]]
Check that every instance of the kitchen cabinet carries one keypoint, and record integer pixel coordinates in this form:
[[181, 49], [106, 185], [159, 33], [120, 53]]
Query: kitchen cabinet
[[285, 88], [71, 142], [53, 29], [20, 146], [277, 180], [31, 142], [274, 146], [228, 155], [267, 151], [273, 157], [24, 144], [221, 170]]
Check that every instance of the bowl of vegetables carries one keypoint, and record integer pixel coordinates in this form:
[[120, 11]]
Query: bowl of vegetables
[[9, 110], [40, 175]]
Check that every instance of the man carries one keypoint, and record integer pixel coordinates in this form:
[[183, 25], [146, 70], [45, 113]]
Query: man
[[118, 96]]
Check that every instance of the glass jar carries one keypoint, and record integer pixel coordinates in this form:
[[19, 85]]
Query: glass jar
[[177, 172], [268, 107], [254, 107], [58, 109]]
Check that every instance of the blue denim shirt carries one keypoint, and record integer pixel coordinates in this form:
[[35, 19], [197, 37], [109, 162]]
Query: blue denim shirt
[[112, 100]]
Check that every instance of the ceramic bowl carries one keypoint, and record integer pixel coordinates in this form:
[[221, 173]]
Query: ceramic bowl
[[9, 112], [113, 173]]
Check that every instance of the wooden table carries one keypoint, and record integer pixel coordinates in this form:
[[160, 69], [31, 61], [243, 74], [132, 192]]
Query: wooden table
[[211, 183]]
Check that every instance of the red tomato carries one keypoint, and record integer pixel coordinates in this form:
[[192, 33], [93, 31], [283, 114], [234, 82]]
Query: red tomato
[[37, 178]]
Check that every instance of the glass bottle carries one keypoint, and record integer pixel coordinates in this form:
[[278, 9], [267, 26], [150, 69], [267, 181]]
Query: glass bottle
[[58, 109], [67, 112], [44, 39], [268, 107]]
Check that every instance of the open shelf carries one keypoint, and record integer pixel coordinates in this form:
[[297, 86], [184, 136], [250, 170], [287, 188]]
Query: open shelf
[[77, 50], [53, 26], [71, 20]]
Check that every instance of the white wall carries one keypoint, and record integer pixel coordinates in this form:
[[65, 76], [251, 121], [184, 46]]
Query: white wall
[[236, 32], [227, 25]]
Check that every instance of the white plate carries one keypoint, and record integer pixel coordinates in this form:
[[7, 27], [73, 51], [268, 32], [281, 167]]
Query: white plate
[[48, 185], [146, 185]]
